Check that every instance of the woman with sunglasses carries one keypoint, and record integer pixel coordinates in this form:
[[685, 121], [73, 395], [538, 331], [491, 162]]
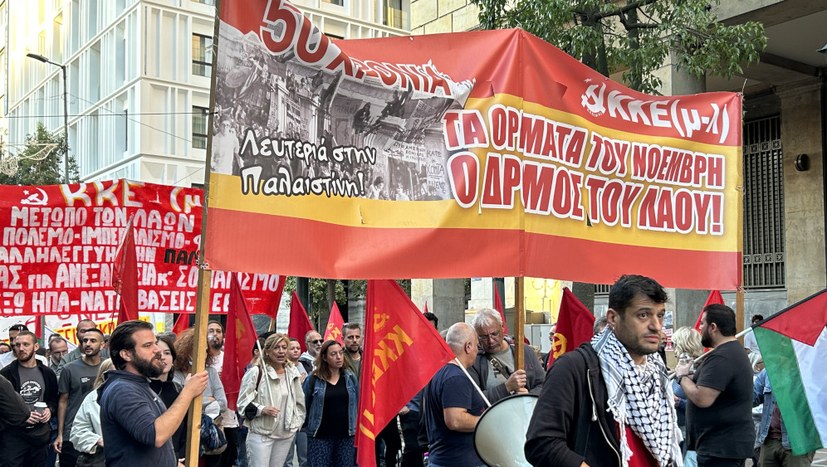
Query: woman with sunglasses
[[331, 394], [272, 401]]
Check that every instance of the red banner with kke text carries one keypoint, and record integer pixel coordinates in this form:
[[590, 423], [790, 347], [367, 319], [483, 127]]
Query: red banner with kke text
[[59, 244]]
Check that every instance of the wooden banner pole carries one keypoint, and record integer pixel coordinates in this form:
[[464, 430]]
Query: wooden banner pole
[[519, 322], [202, 311]]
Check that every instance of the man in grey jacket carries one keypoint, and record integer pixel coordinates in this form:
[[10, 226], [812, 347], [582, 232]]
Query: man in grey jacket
[[494, 370]]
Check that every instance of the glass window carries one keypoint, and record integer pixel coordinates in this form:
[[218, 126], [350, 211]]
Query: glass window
[[199, 127], [201, 55]]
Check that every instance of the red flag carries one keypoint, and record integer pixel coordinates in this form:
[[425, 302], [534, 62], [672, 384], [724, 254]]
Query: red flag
[[714, 298], [125, 275], [239, 340], [299, 321], [181, 324], [575, 325], [334, 325], [498, 305], [404, 351]]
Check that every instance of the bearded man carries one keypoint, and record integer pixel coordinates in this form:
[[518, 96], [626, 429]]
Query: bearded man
[[136, 425], [609, 402], [719, 394]]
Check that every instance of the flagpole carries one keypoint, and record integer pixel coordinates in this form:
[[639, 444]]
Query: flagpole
[[202, 310], [519, 322], [264, 369], [473, 383]]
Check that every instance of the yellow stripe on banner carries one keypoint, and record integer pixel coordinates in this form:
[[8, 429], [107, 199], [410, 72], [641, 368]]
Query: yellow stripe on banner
[[225, 193], [365, 431]]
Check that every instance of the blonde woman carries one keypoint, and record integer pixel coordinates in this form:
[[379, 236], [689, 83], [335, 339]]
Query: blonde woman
[[86, 435], [272, 401], [686, 342]]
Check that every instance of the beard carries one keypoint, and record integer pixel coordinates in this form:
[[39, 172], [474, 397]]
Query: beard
[[25, 356], [706, 340], [148, 368], [216, 344]]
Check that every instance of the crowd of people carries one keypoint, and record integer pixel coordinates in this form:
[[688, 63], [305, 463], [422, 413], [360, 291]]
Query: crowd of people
[[122, 399]]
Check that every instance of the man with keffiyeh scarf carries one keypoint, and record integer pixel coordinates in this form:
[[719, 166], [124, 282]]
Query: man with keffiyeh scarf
[[609, 402]]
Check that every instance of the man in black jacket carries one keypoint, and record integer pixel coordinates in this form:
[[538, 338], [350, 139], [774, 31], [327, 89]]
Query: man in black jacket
[[12, 406], [610, 399], [27, 445]]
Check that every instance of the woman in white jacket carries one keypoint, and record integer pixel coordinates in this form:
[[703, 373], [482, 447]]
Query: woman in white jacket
[[86, 435], [272, 401]]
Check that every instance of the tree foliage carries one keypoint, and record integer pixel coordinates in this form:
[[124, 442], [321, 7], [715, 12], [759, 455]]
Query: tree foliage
[[41, 161], [320, 292], [636, 36]]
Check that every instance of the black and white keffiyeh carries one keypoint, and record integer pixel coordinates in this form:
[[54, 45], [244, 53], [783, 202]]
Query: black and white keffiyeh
[[640, 397]]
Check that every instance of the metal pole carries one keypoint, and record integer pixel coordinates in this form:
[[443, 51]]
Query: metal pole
[[65, 125]]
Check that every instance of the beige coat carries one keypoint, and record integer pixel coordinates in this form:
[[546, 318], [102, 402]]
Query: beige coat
[[293, 410]]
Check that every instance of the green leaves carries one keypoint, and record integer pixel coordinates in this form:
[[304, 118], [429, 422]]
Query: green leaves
[[633, 36], [41, 161]]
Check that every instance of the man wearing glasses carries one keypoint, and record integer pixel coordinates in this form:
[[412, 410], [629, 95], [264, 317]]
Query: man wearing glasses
[[494, 370], [57, 349], [313, 340]]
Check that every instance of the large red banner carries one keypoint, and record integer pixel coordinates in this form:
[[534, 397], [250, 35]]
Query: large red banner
[[59, 243], [484, 153]]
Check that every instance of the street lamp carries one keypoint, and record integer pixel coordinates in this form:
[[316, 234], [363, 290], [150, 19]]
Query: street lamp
[[43, 59]]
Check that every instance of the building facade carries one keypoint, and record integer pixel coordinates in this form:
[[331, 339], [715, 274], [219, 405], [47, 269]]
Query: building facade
[[138, 76]]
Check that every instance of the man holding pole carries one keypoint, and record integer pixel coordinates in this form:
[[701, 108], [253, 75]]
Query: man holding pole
[[136, 425], [494, 369], [453, 405], [609, 402]]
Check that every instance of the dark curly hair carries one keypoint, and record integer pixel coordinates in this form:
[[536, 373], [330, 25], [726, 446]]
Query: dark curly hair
[[184, 347]]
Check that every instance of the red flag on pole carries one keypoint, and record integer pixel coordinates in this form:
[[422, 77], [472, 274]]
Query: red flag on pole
[[575, 325], [404, 351], [181, 324], [498, 305], [334, 325], [238, 343], [125, 275], [714, 298], [299, 321]]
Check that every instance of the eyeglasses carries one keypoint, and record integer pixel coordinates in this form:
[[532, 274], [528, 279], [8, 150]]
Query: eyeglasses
[[316, 341], [488, 337]]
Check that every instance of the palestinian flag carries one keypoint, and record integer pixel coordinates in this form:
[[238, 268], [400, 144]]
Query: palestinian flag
[[793, 344]]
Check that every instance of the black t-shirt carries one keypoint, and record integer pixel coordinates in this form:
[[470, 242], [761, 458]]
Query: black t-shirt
[[334, 413], [450, 388], [725, 428]]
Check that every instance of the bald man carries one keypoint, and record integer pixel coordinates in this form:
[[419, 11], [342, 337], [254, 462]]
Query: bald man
[[452, 404]]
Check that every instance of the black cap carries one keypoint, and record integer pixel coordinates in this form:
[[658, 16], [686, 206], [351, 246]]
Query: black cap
[[18, 327]]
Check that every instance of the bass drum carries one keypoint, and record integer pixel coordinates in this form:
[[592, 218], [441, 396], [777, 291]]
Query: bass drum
[[500, 434]]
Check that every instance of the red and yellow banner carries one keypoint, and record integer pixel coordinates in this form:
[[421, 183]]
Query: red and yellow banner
[[59, 244], [485, 153]]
